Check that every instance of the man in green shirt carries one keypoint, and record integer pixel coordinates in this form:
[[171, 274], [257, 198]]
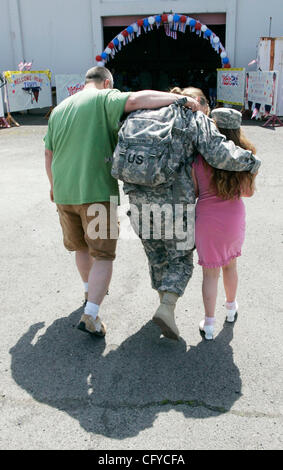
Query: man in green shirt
[[81, 137]]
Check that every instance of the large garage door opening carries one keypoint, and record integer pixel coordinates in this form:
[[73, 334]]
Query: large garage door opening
[[155, 60]]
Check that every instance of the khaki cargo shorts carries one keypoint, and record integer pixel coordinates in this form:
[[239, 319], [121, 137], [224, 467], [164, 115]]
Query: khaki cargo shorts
[[90, 226]]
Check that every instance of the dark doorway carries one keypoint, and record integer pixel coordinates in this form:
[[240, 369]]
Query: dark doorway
[[154, 60]]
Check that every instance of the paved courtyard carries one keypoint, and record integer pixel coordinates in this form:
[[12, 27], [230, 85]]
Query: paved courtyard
[[62, 389]]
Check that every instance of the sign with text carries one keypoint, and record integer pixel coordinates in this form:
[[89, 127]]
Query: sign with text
[[261, 91], [28, 90], [68, 85], [270, 56], [231, 86]]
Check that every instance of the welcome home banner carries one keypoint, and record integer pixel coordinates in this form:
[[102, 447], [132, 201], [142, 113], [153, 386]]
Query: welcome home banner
[[261, 91], [28, 90]]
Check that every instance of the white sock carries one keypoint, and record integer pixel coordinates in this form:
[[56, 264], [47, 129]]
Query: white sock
[[92, 310], [231, 305], [86, 286], [209, 321]]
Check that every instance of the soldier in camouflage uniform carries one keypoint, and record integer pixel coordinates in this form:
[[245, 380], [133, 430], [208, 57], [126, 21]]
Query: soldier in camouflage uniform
[[171, 267]]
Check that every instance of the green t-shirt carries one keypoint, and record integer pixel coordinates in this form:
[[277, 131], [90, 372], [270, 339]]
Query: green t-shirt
[[82, 134]]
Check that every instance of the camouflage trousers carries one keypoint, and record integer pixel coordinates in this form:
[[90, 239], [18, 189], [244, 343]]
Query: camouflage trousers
[[170, 265]]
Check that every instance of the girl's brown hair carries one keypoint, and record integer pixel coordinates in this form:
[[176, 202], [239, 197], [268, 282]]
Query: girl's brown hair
[[193, 93], [232, 184], [226, 184]]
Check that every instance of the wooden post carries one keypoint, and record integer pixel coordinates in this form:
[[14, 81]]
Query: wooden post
[[272, 53], [47, 116], [11, 121]]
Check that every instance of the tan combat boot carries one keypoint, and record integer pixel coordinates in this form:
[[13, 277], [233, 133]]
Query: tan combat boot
[[164, 316]]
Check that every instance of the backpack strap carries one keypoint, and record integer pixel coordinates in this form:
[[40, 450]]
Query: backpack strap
[[181, 101]]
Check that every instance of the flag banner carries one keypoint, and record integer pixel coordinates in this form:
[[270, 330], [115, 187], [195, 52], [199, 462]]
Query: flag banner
[[169, 32], [26, 90], [253, 62], [68, 85], [231, 86], [255, 113], [261, 92], [24, 66]]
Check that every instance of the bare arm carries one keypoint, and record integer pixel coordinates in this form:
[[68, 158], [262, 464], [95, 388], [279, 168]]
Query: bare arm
[[195, 182], [150, 99], [48, 163]]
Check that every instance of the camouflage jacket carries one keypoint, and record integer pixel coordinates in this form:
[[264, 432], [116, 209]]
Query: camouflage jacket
[[201, 136]]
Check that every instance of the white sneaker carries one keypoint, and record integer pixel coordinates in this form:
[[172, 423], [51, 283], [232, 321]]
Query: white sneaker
[[231, 314], [208, 330]]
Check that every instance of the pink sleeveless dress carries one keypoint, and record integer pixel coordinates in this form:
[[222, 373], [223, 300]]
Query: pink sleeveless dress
[[220, 224]]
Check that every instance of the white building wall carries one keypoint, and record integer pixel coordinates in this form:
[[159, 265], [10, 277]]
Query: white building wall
[[7, 59], [53, 37], [66, 35], [54, 34], [253, 19]]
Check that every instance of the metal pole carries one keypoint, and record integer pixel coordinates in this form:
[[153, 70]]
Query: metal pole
[[270, 23], [16, 32]]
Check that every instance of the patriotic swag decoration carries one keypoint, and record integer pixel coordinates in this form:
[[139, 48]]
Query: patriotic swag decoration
[[172, 24], [25, 66]]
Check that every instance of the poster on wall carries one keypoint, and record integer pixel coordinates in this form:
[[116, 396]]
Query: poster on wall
[[68, 85], [28, 90], [231, 86], [261, 92], [270, 54]]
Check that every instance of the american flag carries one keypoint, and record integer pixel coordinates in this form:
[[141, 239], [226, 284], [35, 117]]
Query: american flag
[[25, 66], [169, 32]]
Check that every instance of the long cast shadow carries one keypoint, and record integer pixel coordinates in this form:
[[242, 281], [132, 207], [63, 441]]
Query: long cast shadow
[[118, 391]]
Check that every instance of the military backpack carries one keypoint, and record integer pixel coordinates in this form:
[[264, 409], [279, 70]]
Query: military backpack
[[150, 145]]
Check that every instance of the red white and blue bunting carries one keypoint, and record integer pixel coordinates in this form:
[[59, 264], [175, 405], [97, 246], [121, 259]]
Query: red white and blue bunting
[[176, 23]]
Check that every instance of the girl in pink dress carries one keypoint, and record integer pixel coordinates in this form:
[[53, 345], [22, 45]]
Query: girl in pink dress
[[220, 221]]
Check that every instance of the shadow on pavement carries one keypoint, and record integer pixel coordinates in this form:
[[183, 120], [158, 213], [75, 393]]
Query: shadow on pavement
[[118, 391]]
